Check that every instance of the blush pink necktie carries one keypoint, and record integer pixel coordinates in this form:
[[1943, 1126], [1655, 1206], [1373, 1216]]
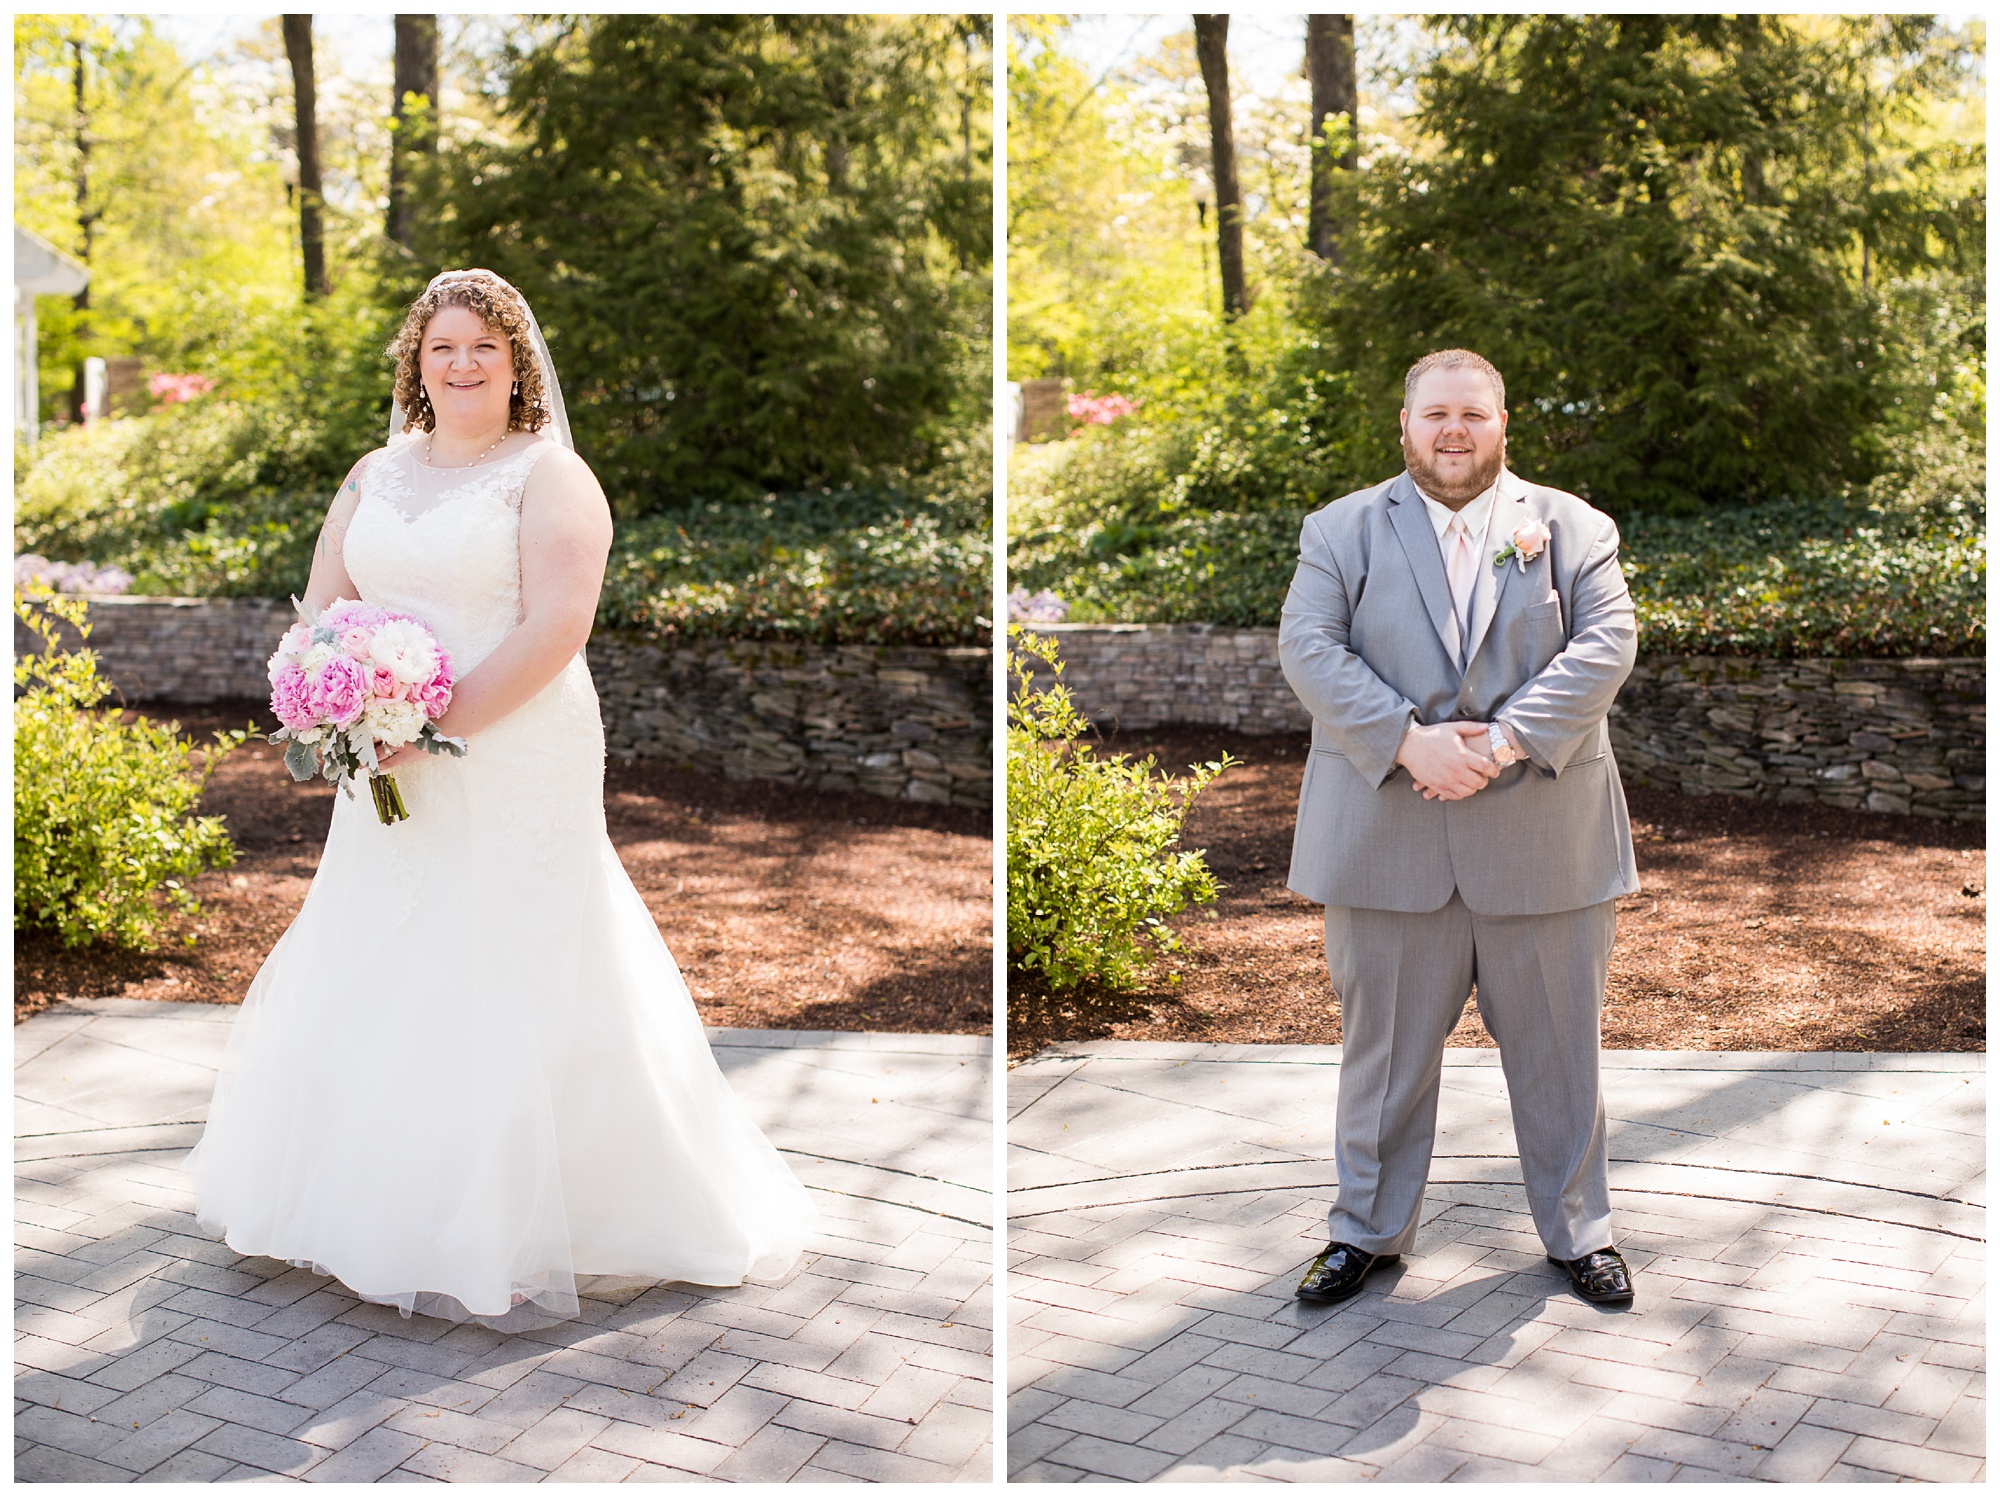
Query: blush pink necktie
[[1462, 571]]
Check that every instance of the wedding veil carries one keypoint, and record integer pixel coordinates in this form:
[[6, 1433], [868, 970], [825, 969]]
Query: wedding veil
[[558, 416]]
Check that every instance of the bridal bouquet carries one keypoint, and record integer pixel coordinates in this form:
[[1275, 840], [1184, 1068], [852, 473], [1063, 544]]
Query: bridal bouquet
[[355, 679]]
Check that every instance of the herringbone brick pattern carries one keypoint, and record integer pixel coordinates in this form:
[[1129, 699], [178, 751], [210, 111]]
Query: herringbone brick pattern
[[1160, 1341], [144, 1351]]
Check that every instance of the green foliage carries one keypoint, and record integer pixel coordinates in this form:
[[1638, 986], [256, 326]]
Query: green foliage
[[1199, 569], [826, 567], [1091, 877], [222, 496], [758, 245], [184, 217], [1105, 277], [1705, 251], [101, 808], [1881, 576], [1796, 578]]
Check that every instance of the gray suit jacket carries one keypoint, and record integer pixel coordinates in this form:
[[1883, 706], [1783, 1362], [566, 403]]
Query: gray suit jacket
[[1363, 642]]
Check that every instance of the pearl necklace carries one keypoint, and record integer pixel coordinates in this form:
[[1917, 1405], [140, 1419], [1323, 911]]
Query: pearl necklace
[[431, 443]]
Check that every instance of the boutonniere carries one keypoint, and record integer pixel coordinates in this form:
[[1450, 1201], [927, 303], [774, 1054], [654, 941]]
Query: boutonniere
[[1524, 545]]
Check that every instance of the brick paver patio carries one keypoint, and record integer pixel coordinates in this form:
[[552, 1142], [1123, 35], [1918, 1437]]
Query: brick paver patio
[[1807, 1230], [144, 1351]]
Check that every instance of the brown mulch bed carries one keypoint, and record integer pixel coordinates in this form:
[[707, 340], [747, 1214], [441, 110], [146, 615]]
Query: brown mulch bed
[[1760, 927], [786, 908]]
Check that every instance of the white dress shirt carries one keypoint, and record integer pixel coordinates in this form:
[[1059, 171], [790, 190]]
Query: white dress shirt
[[1478, 517], [1486, 589]]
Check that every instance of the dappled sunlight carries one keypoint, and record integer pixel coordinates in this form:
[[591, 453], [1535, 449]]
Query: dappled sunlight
[[1796, 1257]]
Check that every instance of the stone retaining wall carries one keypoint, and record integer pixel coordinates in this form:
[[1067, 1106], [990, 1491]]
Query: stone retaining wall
[[1143, 675], [907, 723], [182, 649], [1903, 736], [912, 724]]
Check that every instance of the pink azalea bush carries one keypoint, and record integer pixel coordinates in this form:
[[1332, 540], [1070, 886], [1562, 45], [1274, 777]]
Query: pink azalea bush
[[69, 576], [174, 389], [1038, 608], [1099, 410]]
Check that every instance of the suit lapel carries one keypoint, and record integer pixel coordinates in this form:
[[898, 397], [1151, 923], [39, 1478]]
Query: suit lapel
[[1510, 507], [1412, 524]]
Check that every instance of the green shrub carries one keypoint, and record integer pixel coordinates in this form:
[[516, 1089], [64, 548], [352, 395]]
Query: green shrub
[[216, 498], [842, 566], [1878, 575], [1200, 569], [225, 499], [101, 807], [1091, 880]]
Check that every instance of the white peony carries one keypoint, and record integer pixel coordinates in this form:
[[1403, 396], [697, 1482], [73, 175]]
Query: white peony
[[392, 723], [316, 657], [290, 648], [404, 649]]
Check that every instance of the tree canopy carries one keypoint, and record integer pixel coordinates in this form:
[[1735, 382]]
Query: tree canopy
[[1721, 260], [1688, 241], [759, 245]]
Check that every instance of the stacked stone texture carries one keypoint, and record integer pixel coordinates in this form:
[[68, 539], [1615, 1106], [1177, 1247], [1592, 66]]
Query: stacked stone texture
[[1906, 736], [1143, 675], [907, 723], [188, 650]]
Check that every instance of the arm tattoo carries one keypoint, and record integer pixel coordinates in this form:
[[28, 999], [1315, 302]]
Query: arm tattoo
[[330, 534]]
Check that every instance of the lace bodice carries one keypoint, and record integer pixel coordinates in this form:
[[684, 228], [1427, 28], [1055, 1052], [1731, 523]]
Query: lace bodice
[[443, 545]]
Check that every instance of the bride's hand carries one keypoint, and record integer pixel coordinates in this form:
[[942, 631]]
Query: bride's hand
[[405, 755]]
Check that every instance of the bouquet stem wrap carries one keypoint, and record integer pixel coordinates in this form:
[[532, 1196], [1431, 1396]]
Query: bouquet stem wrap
[[389, 807]]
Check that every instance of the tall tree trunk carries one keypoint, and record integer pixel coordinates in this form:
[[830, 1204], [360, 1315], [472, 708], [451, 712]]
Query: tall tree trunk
[[312, 235], [1750, 38], [1330, 70], [1211, 38], [86, 211], [416, 128]]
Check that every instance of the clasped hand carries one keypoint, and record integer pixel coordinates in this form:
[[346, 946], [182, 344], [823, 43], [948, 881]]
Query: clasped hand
[[1448, 761]]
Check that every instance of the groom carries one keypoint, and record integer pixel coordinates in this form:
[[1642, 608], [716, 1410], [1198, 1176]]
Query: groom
[[1458, 635]]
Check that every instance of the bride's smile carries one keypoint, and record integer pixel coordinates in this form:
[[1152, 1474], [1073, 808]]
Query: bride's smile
[[467, 370]]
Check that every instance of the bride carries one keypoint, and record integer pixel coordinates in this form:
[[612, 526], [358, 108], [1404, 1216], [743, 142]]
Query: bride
[[470, 1072]]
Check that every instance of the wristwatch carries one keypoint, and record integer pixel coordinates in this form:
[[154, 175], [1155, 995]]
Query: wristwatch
[[1503, 751]]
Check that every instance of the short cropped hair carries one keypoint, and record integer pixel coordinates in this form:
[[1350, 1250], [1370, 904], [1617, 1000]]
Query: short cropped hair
[[1453, 358]]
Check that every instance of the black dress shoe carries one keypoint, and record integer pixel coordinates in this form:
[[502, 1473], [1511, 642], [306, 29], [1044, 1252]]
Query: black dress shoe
[[1600, 1277], [1336, 1274]]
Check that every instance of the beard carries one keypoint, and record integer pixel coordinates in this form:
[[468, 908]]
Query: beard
[[1450, 492]]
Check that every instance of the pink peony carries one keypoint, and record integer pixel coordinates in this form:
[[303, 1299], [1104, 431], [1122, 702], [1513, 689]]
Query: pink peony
[[343, 614], [435, 694], [291, 697], [339, 692]]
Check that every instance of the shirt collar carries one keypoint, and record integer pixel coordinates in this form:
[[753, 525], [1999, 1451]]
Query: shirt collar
[[1476, 513]]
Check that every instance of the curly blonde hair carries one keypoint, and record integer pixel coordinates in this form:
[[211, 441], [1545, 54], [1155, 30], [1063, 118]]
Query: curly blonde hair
[[500, 307]]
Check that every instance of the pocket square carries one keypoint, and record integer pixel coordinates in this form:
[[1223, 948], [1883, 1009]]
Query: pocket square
[[1552, 597]]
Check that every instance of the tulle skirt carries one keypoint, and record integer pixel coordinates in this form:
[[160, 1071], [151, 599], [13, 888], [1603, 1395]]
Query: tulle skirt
[[471, 1072]]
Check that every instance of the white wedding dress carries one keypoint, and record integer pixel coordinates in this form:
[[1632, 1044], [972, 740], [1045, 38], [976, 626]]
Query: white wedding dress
[[470, 1071]]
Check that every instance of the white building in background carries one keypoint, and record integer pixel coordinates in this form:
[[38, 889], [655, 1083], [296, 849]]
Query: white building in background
[[40, 269]]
